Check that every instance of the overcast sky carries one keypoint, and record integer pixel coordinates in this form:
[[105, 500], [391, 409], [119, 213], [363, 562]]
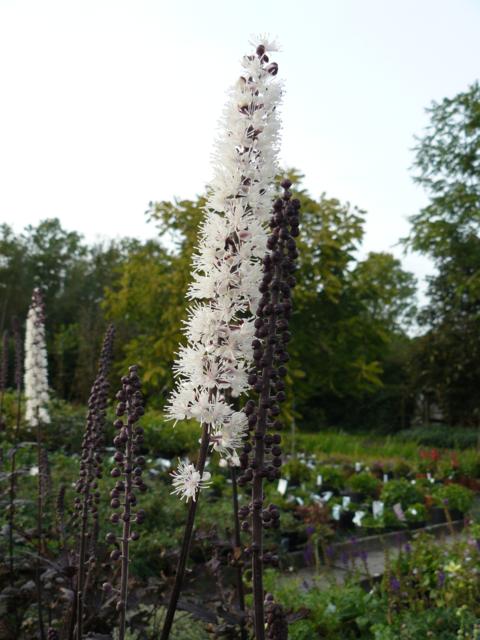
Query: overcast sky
[[106, 105]]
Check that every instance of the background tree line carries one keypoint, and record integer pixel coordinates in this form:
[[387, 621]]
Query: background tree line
[[354, 362]]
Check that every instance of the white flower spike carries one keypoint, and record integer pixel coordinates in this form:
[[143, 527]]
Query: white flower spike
[[36, 372], [227, 271]]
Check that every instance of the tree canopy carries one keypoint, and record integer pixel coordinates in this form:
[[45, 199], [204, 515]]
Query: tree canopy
[[448, 231]]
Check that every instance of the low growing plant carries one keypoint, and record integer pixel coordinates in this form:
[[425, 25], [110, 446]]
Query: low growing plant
[[400, 492], [453, 496], [364, 482]]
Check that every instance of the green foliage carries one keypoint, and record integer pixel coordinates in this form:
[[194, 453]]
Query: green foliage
[[72, 276], [331, 477], [441, 437], [364, 482], [348, 347], [328, 613], [347, 312], [296, 471], [446, 358], [163, 439], [416, 513], [401, 491], [431, 591], [454, 496]]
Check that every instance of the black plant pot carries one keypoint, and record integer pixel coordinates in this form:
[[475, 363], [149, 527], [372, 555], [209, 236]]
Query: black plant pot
[[357, 497], [437, 515], [346, 520], [416, 525], [455, 514], [327, 487], [293, 540]]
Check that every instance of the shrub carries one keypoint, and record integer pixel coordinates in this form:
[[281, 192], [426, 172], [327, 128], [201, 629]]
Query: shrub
[[401, 491], [454, 496], [331, 477], [364, 483], [416, 513], [441, 436], [162, 439], [296, 471]]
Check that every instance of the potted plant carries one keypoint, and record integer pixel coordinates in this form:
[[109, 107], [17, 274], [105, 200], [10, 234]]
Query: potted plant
[[454, 498], [401, 492], [332, 478], [416, 515], [363, 484]]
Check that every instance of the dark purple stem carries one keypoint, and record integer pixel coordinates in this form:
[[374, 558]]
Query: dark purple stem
[[187, 538]]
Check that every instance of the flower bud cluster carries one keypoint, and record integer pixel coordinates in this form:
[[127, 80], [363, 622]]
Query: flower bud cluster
[[88, 498], [277, 625], [128, 471], [36, 375], [261, 455], [91, 458], [227, 265]]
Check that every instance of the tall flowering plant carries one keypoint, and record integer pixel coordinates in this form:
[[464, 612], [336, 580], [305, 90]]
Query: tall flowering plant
[[36, 371], [36, 392], [213, 367]]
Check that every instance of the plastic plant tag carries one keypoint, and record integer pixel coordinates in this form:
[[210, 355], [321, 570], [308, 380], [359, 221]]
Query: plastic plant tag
[[282, 486], [336, 510], [398, 511], [358, 517], [346, 501], [164, 463], [319, 480], [299, 501], [385, 478], [377, 509], [326, 495], [358, 466]]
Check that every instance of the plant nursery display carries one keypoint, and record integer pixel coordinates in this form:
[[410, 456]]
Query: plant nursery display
[[230, 432]]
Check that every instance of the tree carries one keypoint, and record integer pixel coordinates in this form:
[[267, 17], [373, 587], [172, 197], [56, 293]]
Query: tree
[[147, 300], [345, 310], [347, 314], [448, 230], [72, 276]]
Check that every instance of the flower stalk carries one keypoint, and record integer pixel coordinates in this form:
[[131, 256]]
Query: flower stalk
[[212, 368], [3, 376], [36, 415], [129, 465], [187, 538], [88, 496], [13, 461], [261, 457], [237, 560]]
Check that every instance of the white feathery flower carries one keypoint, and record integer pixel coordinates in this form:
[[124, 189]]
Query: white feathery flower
[[36, 374], [227, 438], [181, 403], [188, 481], [227, 268]]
